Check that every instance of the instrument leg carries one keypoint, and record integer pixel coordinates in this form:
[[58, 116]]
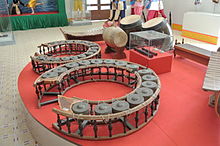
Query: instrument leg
[[217, 103]]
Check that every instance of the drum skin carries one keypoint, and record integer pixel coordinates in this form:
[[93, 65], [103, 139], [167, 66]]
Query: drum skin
[[115, 37], [131, 21], [158, 24]]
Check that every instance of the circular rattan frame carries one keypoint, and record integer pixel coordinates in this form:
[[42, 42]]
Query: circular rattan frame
[[71, 50], [122, 72]]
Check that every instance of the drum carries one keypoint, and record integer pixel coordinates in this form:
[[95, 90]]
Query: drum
[[131, 23], [160, 24], [115, 37]]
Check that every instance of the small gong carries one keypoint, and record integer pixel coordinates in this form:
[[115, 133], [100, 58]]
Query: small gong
[[41, 57], [89, 53], [119, 106], [109, 61], [65, 58], [145, 92], [84, 62], [96, 61], [60, 70], [81, 108], [53, 58], [121, 63], [71, 65], [50, 75], [150, 84], [94, 49], [149, 78], [133, 67], [103, 108], [81, 56], [135, 99], [145, 71], [73, 57]]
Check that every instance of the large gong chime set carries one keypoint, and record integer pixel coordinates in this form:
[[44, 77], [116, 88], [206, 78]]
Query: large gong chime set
[[62, 65]]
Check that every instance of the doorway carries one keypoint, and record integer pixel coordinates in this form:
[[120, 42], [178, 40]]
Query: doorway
[[100, 9]]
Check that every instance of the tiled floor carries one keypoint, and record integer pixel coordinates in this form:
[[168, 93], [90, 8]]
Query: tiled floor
[[13, 58]]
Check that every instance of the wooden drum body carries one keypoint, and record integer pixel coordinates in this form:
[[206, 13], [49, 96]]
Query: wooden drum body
[[160, 24], [131, 23]]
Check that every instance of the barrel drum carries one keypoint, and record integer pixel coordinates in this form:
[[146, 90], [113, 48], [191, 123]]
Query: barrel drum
[[161, 25], [115, 37], [131, 23]]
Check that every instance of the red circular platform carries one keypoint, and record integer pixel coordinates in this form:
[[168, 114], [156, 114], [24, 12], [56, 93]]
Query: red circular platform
[[184, 117]]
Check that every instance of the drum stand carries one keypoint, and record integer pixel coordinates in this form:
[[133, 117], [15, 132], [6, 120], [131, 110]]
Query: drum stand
[[213, 102], [118, 52], [109, 49]]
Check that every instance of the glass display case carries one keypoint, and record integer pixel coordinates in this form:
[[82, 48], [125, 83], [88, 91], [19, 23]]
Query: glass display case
[[6, 34], [81, 13], [151, 39]]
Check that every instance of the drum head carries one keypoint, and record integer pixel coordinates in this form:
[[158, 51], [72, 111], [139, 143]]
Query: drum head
[[115, 37], [120, 39], [130, 19], [153, 22]]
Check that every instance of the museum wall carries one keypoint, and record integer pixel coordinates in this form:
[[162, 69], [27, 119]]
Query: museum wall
[[179, 7], [68, 8]]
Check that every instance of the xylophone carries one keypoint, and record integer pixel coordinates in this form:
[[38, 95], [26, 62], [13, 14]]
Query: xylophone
[[212, 79]]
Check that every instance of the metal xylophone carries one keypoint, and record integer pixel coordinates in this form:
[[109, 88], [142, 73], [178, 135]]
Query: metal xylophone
[[56, 53], [78, 116]]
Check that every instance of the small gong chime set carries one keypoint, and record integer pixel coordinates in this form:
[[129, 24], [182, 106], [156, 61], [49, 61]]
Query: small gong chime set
[[62, 65]]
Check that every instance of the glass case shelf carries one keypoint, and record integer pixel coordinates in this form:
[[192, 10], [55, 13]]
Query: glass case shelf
[[81, 12], [150, 38], [6, 34]]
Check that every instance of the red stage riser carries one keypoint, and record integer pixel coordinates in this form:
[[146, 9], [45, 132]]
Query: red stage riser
[[162, 63]]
